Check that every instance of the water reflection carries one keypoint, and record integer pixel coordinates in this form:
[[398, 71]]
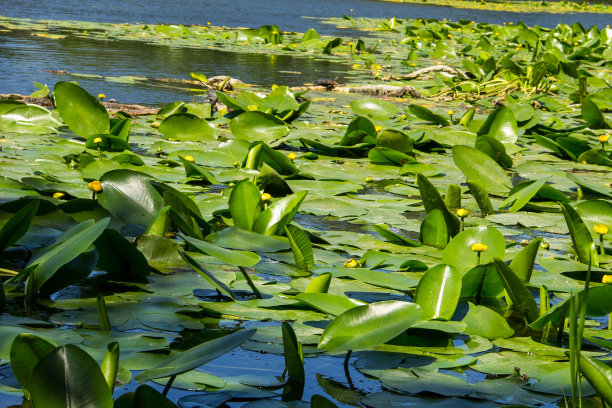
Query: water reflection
[[24, 59]]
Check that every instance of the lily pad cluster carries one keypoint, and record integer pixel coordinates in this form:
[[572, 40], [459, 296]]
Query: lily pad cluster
[[434, 243]]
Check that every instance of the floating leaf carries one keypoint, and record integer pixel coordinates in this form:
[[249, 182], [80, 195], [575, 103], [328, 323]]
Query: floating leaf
[[258, 126]]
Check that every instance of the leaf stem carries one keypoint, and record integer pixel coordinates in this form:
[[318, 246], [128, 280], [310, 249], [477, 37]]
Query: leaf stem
[[347, 357], [168, 385], [250, 282]]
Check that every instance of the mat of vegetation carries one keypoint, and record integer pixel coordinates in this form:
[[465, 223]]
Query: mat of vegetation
[[453, 247]]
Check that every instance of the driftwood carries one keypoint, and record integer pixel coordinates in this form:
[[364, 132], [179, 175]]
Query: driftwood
[[111, 107], [384, 90], [374, 90], [435, 68]]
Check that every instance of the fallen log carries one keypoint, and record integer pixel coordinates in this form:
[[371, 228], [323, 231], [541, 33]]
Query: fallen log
[[373, 90], [435, 68], [111, 107]]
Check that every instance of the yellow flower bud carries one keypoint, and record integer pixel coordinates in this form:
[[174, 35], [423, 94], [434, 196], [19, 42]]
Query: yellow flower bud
[[97, 140], [101, 96], [190, 158], [479, 247], [351, 263], [369, 179], [95, 186], [601, 229], [607, 279], [378, 128], [266, 198], [292, 156], [451, 112], [604, 138], [58, 195], [462, 212]]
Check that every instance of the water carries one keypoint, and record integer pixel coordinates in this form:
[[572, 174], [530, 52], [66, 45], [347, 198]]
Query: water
[[25, 58], [36, 56]]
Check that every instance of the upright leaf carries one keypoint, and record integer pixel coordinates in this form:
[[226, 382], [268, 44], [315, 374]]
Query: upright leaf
[[301, 247], [110, 364], [319, 284], [292, 350], [477, 165], [369, 325], [521, 297], [581, 237], [130, 196], [69, 377], [599, 375], [523, 262], [432, 200], [18, 225], [481, 196], [67, 247], [433, 230], [438, 292], [245, 204], [81, 111], [26, 351], [501, 125], [273, 219]]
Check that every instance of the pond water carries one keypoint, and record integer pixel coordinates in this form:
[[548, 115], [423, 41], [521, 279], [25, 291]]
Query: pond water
[[25, 58]]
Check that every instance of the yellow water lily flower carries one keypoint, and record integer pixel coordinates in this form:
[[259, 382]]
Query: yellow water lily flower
[[378, 128], [462, 213], [292, 156], [97, 140], [607, 279], [266, 198], [604, 138], [95, 186], [369, 179], [479, 247], [351, 263], [101, 96], [601, 229], [58, 195], [190, 158], [451, 112]]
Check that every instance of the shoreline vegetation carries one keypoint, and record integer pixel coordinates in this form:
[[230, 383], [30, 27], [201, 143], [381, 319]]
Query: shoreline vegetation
[[517, 6]]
